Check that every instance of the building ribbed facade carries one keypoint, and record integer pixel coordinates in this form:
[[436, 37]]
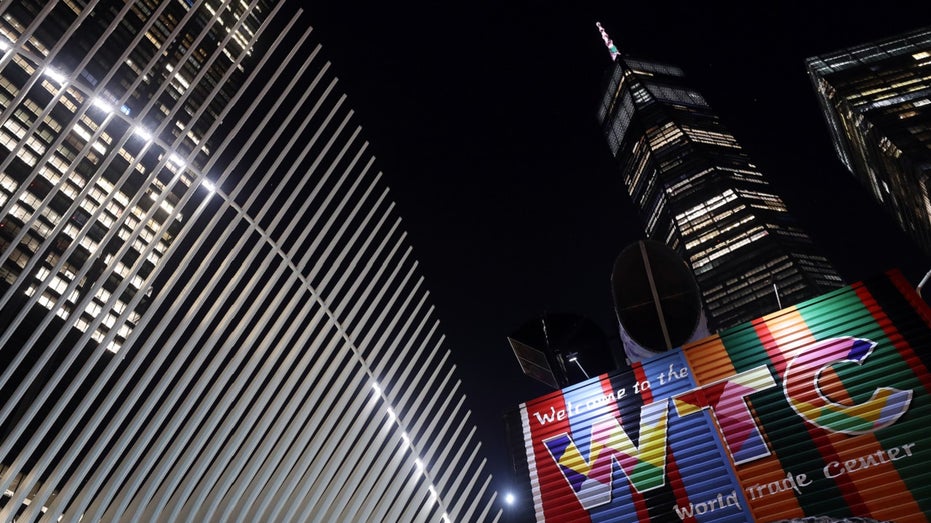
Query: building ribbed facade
[[210, 311], [876, 99], [697, 192]]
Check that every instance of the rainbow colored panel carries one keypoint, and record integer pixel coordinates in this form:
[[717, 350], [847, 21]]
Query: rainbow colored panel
[[821, 409]]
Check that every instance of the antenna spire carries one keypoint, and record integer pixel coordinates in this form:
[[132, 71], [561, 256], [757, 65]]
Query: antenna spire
[[608, 42]]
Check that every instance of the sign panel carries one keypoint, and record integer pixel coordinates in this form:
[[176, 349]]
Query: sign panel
[[820, 409]]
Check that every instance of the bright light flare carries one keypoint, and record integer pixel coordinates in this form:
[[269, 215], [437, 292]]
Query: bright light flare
[[55, 75], [102, 105], [142, 133], [175, 159]]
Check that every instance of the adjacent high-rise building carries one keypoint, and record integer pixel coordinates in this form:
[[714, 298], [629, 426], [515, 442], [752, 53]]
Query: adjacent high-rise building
[[208, 309], [699, 193], [876, 99]]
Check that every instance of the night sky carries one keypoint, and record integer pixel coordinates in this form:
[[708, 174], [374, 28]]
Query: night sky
[[482, 118]]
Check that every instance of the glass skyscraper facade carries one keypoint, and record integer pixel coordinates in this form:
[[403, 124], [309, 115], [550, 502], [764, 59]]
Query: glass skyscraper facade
[[698, 192], [94, 115], [876, 99], [209, 308]]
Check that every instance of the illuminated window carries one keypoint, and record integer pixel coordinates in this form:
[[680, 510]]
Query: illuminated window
[[20, 212], [665, 135], [19, 258], [30, 69], [711, 137], [70, 189]]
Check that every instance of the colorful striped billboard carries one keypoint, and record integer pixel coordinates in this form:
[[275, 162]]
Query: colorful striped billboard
[[822, 409]]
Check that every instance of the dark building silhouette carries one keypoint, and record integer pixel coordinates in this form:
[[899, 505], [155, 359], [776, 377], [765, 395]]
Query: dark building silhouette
[[876, 98]]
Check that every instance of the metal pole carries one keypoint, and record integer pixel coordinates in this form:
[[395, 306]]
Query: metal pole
[[924, 281]]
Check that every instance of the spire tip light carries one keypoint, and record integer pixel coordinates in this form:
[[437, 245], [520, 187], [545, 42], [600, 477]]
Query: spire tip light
[[608, 42]]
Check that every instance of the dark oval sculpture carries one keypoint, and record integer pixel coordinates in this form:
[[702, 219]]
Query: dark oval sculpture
[[655, 296]]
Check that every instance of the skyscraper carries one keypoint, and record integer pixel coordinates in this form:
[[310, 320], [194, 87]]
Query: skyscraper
[[698, 192], [209, 309], [876, 99]]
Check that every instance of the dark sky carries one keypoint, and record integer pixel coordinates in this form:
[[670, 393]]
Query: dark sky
[[482, 118]]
